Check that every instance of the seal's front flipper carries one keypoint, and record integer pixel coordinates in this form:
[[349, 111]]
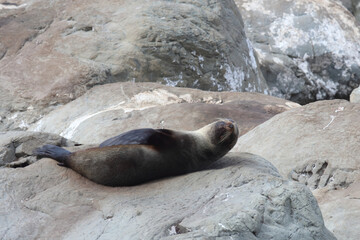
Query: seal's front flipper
[[54, 152]]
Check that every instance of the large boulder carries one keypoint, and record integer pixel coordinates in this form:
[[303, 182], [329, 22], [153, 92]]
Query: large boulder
[[52, 52], [317, 145], [355, 96], [108, 110], [308, 50], [341, 210], [241, 196]]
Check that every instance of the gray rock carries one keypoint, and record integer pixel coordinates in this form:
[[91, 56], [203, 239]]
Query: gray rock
[[242, 196], [355, 95], [348, 4], [357, 9], [340, 210], [16, 147], [353, 6], [108, 110], [317, 145], [308, 50], [53, 52]]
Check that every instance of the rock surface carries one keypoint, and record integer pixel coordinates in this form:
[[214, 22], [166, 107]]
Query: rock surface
[[353, 6], [357, 9], [355, 95], [242, 196], [341, 210], [308, 50], [318, 145], [53, 52], [16, 148], [108, 110], [348, 4]]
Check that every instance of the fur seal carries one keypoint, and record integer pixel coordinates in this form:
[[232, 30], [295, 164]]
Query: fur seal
[[142, 155]]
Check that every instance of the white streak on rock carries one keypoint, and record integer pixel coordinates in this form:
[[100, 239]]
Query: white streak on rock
[[138, 102], [172, 231], [340, 109], [70, 131], [4, 6], [234, 77], [24, 125], [222, 225], [14, 116], [251, 54], [332, 119]]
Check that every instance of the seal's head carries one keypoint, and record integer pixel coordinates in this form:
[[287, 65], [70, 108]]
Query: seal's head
[[225, 133], [222, 135]]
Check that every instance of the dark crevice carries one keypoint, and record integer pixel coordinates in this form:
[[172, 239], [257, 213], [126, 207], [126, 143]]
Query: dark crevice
[[86, 29], [9, 4], [20, 165], [345, 184], [20, 162], [178, 229], [327, 180], [322, 169], [317, 183]]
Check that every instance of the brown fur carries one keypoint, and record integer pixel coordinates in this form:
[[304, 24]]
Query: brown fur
[[126, 165]]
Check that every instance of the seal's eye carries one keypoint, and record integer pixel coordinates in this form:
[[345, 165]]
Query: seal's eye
[[222, 131], [220, 125]]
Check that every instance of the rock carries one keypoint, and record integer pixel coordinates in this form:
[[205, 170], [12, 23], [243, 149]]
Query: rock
[[308, 50], [348, 4], [353, 6], [318, 145], [342, 206], [108, 110], [18, 146], [357, 9], [53, 52], [242, 196], [355, 96]]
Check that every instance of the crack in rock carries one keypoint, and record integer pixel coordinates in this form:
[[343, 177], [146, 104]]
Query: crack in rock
[[318, 174]]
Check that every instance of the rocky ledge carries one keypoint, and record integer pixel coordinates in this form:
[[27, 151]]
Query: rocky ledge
[[317, 145], [60, 67], [241, 196]]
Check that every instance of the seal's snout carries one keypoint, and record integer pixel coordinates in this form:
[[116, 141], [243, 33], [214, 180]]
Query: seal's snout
[[229, 126], [226, 132]]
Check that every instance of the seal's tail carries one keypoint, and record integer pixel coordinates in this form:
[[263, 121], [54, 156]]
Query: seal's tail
[[52, 151]]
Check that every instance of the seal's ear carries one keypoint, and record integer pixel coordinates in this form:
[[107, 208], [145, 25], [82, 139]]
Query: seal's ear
[[144, 136]]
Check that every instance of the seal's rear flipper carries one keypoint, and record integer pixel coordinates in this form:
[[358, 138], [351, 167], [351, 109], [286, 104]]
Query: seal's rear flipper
[[54, 152]]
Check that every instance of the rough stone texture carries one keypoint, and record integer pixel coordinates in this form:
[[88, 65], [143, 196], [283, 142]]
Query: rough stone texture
[[241, 197], [355, 96], [52, 52], [108, 110], [348, 4], [341, 205], [308, 50], [353, 6], [16, 147], [318, 145], [357, 9]]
